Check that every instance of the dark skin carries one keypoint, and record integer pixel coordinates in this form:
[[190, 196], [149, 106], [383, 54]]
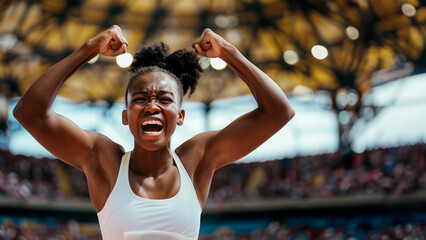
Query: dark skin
[[155, 96]]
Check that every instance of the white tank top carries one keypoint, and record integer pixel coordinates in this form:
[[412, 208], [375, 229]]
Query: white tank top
[[126, 212]]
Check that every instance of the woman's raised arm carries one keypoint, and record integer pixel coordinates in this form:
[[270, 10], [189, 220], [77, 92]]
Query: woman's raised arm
[[59, 135], [252, 129]]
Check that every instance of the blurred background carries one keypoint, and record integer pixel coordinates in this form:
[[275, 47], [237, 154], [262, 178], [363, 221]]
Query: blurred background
[[350, 165]]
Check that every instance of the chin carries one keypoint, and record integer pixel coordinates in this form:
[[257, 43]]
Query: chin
[[154, 146]]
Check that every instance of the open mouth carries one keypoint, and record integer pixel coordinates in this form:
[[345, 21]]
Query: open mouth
[[152, 127]]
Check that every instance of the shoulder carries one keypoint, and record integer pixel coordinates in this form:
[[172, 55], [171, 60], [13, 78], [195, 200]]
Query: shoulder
[[102, 168], [106, 154], [193, 152]]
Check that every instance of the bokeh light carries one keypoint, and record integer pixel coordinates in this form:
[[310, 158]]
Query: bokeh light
[[291, 57], [352, 33], [124, 60], [408, 10], [319, 52], [217, 63]]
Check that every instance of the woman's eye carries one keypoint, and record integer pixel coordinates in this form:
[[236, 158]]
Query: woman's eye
[[166, 100], [140, 99]]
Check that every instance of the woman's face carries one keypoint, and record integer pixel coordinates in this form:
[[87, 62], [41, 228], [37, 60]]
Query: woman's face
[[153, 110]]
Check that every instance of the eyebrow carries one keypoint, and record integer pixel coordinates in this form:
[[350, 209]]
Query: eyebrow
[[144, 92]]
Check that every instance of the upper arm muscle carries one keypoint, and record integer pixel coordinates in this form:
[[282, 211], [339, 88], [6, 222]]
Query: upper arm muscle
[[241, 137], [63, 138]]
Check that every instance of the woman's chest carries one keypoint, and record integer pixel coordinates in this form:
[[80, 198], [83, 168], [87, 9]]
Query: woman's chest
[[175, 215]]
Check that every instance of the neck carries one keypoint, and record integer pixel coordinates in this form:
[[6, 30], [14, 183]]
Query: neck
[[151, 163]]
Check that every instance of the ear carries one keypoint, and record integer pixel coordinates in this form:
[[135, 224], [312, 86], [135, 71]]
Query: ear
[[181, 117], [124, 120]]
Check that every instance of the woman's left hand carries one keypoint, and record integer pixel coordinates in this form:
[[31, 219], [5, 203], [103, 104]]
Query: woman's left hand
[[209, 44]]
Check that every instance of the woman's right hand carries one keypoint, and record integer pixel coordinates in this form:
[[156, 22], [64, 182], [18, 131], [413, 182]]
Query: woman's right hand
[[110, 42]]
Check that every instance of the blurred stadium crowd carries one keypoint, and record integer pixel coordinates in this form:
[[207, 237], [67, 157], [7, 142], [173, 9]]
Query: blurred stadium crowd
[[29, 229], [275, 230], [393, 171]]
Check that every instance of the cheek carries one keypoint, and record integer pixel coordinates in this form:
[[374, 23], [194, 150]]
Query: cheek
[[173, 113], [133, 112]]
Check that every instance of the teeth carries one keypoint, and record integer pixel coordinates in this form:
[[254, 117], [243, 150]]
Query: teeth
[[152, 122], [152, 133]]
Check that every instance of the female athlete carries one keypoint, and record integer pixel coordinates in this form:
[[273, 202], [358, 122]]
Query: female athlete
[[152, 192]]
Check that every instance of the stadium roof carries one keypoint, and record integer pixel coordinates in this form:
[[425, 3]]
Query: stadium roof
[[338, 49]]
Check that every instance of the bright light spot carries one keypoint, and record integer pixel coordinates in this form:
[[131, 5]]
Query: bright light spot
[[352, 33], [408, 10], [234, 36], [352, 97], [341, 98], [94, 59], [217, 63], [221, 21], [319, 52], [344, 117], [8, 41], [301, 90], [290, 57], [124, 60]]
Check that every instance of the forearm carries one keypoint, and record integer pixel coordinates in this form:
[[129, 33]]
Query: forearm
[[45, 89], [269, 96]]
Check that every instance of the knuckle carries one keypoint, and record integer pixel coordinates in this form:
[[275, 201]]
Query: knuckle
[[208, 31]]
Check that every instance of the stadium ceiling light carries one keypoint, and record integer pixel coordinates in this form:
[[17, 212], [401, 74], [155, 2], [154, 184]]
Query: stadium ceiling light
[[342, 98], [217, 63], [352, 33], [221, 21], [319, 52], [234, 36], [301, 90], [352, 97], [408, 10], [290, 57], [124, 60]]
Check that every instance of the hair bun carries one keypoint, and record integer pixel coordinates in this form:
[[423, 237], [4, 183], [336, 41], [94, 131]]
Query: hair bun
[[184, 64], [154, 55]]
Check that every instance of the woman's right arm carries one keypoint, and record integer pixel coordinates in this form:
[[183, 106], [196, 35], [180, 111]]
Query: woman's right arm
[[59, 135]]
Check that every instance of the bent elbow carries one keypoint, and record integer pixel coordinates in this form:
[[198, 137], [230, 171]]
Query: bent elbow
[[22, 114], [291, 114], [17, 112], [288, 115], [285, 115]]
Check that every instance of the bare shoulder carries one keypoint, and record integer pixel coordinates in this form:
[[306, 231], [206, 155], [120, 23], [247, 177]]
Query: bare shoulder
[[102, 169], [192, 152], [106, 154], [196, 158]]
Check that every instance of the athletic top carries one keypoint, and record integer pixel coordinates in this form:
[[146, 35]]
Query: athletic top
[[125, 212]]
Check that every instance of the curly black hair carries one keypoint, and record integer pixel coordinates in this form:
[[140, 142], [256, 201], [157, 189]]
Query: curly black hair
[[183, 65]]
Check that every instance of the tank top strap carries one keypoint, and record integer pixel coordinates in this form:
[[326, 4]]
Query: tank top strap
[[118, 185], [186, 181], [181, 167], [124, 164]]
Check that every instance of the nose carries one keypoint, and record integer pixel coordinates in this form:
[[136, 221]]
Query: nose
[[152, 107]]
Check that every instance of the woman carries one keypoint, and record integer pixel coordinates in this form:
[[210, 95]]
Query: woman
[[152, 189]]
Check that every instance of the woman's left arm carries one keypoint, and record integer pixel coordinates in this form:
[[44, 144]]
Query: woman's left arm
[[251, 129]]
